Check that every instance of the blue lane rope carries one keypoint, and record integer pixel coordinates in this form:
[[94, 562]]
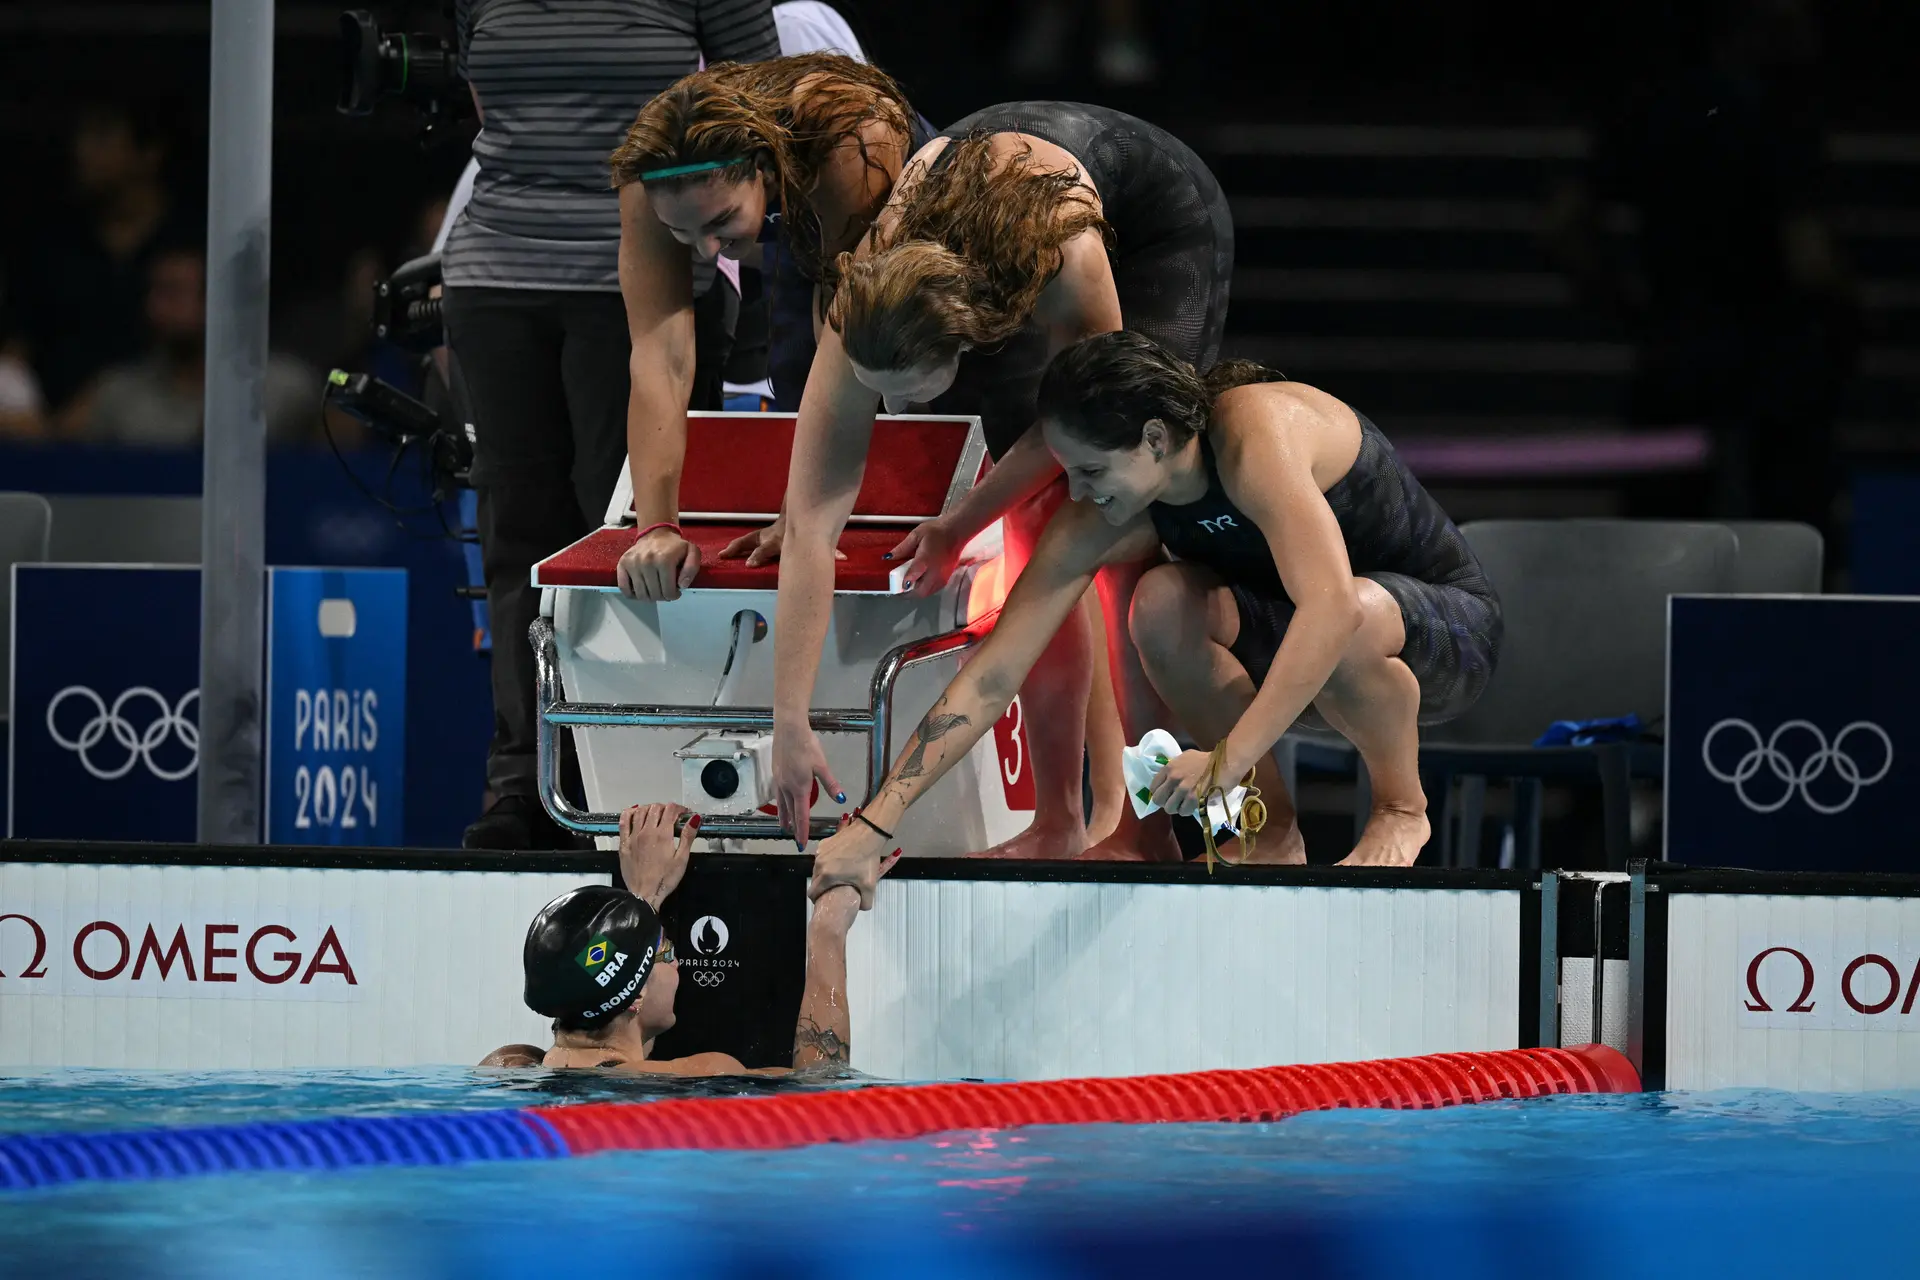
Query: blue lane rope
[[29, 1161]]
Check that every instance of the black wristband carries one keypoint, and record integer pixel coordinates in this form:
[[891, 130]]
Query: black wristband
[[871, 823]]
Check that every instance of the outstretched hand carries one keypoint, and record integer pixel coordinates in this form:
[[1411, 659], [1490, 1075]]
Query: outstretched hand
[[800, 770], [762, 546], [853, 857], [935, 553], [652, 859]]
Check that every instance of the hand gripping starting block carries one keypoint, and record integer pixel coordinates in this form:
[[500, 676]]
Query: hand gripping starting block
[[633, 679]]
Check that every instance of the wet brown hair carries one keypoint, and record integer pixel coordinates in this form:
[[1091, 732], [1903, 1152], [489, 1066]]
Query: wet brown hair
[[1104, 390], [756, 117], [965, 263]]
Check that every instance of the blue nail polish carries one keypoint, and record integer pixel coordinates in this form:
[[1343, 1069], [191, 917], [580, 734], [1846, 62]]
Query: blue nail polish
[[839, 797], [887, 556]]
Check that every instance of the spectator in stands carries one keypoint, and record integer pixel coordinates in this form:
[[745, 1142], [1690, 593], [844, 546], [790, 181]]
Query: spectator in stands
[[1737, 296], [83, 283], [599, 963], [156, 401]]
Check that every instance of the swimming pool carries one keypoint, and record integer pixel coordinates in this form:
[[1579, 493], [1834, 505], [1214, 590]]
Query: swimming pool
[[1602, 1186]]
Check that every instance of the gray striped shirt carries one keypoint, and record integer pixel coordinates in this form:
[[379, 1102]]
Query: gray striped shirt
[[560, 81]]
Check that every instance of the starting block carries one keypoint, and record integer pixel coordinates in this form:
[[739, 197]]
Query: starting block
[[673, 700]]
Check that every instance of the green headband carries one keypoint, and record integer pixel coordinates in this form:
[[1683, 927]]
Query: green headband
[[679, 170]]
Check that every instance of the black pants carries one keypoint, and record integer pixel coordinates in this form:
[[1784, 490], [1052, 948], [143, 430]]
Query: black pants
[[546, 377], [546, 372]]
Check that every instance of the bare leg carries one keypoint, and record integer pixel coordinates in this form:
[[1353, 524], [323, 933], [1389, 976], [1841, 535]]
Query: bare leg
[[1183, 621], [1374, 701], [1054, 699], [1141, 709], [1104, 735]]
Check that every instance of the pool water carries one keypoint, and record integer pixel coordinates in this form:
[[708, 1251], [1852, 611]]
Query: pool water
[[1671, 1184]]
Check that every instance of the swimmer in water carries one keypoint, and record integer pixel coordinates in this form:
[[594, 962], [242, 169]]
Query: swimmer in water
[[599, 963]]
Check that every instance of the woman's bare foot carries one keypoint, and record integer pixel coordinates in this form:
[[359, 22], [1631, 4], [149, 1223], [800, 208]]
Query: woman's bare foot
[[1148, 839], [1270, 848], [1393, 838], [1041, 844]]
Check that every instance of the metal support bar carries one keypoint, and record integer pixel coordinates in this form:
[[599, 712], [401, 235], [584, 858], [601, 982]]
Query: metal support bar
[[1549, 959], [233, 468], [1637, 965], [875, 722], [887, 674], [1596, 1029], [627, 715]]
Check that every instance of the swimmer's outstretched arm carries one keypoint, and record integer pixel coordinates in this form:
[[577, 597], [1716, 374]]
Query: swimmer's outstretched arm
[[831, 436], [1077, 542], [656, 283], [824, 1035]]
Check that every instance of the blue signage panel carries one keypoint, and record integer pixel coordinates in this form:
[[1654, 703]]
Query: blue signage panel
[[336, 699], [1793, 732], [106, 715]]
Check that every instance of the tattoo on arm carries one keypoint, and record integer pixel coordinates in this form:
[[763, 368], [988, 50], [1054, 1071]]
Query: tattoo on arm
[[815, 1043], [936, 726]]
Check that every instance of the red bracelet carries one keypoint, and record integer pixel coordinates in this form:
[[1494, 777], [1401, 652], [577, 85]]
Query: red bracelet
[[664, 524]]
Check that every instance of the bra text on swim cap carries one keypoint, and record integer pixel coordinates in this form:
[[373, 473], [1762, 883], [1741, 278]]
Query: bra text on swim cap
[[606, 975], [619, 998]]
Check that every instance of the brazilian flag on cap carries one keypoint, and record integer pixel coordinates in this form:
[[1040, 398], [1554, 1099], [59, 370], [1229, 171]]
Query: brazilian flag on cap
[[594, 956]]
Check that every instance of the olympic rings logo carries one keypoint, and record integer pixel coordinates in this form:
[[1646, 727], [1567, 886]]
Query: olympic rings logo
[[169, 721], [708, 978], [1798, 779]]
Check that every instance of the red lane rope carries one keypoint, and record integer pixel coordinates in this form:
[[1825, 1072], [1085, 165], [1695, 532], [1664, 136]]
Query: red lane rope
[[1268, 1093]]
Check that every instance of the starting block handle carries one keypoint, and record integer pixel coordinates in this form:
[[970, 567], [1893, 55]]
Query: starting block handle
[[876, 722]]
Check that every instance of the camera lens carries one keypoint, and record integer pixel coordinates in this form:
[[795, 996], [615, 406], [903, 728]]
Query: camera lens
[[720, 779]]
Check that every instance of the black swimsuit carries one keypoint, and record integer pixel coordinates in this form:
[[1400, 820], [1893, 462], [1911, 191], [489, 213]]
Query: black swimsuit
[[1396, 534], [1172, 254]]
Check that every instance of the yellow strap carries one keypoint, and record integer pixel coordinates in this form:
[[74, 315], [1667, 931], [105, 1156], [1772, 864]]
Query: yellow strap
[[1253, 811]]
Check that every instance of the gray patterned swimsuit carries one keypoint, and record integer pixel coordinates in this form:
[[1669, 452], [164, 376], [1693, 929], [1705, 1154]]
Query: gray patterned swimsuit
[[1396, 534], [1172, 253]]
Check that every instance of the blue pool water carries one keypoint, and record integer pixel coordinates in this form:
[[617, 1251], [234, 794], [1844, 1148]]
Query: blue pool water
[[1674, 1184]]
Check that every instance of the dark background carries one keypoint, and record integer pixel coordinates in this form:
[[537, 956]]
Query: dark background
[[341, 184]]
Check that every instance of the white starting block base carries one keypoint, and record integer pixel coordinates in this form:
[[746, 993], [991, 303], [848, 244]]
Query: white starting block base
[[615, 650]]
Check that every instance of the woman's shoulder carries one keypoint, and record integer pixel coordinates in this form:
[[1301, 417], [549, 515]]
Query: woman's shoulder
[[1260, 423]]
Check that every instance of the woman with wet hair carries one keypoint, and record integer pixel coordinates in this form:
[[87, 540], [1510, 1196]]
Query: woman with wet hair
[[783, 165], [1313, 580], [1022, 230]]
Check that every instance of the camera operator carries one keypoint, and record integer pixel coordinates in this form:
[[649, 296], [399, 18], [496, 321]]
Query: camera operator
[[533, 309]]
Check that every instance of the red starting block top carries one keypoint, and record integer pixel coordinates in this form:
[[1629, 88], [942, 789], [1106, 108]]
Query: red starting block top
[[736, 473], [591, 561]]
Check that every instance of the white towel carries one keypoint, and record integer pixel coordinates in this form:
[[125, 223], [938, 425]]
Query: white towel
[[1142, 764]]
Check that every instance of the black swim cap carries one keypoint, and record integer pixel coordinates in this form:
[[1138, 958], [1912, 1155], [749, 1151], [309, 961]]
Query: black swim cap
[[588, 954]]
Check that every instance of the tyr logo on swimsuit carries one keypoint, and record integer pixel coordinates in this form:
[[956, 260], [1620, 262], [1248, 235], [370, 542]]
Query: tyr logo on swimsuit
[[1218, 524]]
